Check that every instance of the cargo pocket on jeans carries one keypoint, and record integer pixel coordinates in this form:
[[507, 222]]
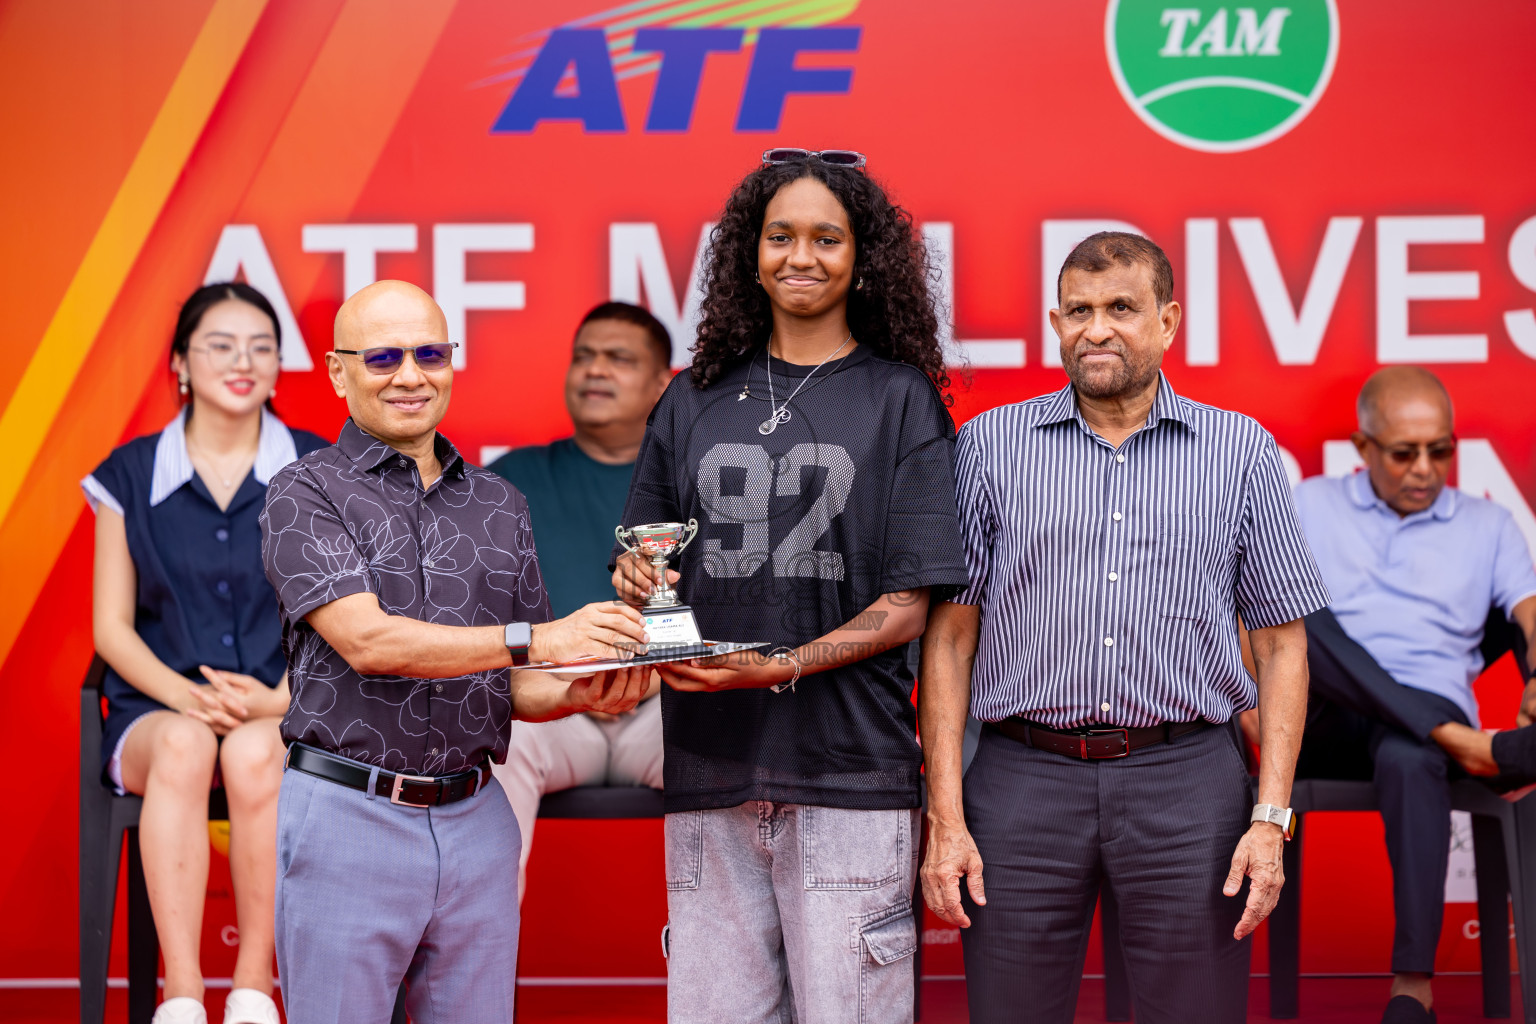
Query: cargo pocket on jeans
[[892, 939], [885, 974], [683, 837]]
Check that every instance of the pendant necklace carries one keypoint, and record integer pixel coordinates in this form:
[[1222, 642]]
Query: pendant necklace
[[218, 470], [781, 414]]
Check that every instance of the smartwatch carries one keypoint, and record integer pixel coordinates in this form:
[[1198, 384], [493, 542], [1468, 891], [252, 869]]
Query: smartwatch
[[519, 638], [1282, 816]]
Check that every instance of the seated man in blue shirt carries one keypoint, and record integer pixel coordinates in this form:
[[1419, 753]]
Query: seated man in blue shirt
[[576, 487], [1413, 567]]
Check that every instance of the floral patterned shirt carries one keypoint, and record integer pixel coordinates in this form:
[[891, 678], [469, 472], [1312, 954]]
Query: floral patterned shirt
[[354, 518]]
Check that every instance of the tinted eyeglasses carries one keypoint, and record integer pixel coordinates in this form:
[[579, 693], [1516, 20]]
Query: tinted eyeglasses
[[844, 157], [387, 359], [1407, 454]]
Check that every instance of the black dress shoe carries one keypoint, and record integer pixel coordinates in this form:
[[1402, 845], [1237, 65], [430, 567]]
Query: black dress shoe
[[1406, 1010]]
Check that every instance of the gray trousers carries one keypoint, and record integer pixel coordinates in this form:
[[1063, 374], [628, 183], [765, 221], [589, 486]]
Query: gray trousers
[[784, 913], [1158, 826], [370, 893]]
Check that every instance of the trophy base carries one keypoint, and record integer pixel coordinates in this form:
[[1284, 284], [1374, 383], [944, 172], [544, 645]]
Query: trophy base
[[671, 627]]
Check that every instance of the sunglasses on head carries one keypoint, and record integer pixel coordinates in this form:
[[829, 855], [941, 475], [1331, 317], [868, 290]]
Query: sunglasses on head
[[388, 358], [1408, 454], [842, 157]]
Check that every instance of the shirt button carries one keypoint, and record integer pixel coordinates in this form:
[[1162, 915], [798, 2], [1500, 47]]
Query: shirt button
[[1113, 576], [221, 534], [1117, 517], [434, 751], [228, 639], [1120, 457], [439, 687], [404, 462], [1109, 641], [427, 563], [1104, 706], [222, 586]]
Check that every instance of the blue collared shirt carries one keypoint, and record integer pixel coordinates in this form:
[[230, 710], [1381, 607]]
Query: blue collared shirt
[[1415, 590], [201, 596], [1110, 579]]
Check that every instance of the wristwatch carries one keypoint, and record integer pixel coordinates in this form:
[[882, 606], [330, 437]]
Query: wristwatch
[[1282, 816], [519, 638]]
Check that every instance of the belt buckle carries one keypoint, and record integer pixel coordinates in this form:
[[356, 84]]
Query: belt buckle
[[401, 780], [1125, 744]]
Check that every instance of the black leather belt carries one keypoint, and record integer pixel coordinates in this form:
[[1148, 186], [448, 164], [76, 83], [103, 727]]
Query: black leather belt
[[1094, 743], [407, 790]]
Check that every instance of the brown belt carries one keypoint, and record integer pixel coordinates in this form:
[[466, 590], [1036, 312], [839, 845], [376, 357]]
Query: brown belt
[[1093, 743]]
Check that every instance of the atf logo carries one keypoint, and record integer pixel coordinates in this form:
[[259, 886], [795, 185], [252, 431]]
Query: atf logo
[[572, 72], [1220, 78]]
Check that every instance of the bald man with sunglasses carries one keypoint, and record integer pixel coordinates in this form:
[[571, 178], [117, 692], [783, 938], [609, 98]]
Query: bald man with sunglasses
[[410, 594], [1413, 567]]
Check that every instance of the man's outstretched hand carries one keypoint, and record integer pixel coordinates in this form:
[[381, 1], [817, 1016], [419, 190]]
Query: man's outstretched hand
[[602, 629]]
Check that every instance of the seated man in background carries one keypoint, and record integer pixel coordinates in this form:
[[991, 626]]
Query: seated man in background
[[1414, 568], [620, 364]]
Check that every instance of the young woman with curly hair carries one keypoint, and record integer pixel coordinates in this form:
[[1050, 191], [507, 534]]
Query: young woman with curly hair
[[813, 446]]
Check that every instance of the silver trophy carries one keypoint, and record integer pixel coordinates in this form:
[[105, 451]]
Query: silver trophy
[[667, 619]]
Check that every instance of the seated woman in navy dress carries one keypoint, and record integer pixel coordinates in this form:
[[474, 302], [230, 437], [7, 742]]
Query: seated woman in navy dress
[[188, 626]]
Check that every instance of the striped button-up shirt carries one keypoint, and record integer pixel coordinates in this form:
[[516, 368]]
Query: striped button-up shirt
[[1110, 579]]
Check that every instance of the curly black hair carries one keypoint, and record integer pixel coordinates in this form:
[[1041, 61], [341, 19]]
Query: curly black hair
[[893, 313]]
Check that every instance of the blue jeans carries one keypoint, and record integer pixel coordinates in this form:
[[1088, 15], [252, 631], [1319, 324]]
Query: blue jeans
[[788, 912], [370, 893]]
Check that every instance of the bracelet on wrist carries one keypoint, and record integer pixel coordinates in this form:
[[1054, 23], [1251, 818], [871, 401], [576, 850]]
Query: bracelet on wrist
[[783, 654]]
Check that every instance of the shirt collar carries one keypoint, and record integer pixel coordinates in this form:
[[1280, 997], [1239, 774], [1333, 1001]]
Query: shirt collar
[[368, 452], [1167, 404], [1360, 491], [173, 463]]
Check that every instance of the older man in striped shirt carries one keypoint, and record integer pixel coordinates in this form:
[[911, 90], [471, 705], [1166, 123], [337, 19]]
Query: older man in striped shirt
[[1114, 533]]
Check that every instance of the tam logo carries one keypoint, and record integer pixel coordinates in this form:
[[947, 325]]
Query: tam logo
[[1250, 38], [681, 52], [1218, 78]]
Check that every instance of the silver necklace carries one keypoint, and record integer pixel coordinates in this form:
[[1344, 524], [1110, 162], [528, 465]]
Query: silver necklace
[[218, 471], [781, 414]]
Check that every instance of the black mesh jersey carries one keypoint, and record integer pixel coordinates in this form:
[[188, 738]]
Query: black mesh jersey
[[800, 531]]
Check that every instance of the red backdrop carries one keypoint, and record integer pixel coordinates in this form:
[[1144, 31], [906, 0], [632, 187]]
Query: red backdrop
[[154, 143]]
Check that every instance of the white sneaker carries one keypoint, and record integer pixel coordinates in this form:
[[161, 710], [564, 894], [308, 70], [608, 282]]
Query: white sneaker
[[181, 1010], [248, 1006]]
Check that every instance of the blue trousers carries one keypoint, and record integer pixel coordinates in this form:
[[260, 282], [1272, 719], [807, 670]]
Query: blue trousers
[[370, 893]]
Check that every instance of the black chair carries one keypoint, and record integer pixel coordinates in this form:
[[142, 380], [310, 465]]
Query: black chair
[[104, 817], [593, 802], [1503, 834]]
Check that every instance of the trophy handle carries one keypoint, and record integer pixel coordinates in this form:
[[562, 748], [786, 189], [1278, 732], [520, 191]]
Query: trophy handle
[[619, 533], [693, 531]]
